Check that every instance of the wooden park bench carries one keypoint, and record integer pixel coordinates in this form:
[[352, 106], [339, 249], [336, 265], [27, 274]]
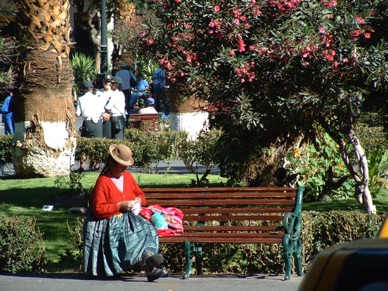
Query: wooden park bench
[[144, 121], [211, 215]]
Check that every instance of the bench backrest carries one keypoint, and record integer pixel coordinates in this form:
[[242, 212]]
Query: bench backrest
[[231, 209], [144, 121]]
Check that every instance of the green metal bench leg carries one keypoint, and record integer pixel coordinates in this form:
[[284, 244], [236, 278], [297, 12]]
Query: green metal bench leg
[[292, 249], [287, 257], [193, 249], [197, 249], [298, 258], [188, 253]]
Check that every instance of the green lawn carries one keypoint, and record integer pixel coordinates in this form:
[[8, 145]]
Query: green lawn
[[27, 197]]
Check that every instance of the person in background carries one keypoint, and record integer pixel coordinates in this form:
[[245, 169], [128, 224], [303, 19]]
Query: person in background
[[149, 107], [142, 87], [116, 239], [105, 94], [7, 113], [116, 108], [91, 110], [99, 82], [159, 88], [127, 77]]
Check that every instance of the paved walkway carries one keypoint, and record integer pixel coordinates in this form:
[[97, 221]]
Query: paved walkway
[[77, 282]]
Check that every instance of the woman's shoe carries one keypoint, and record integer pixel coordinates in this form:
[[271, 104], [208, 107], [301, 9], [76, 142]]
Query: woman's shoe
[[151, 262], [156, 274]]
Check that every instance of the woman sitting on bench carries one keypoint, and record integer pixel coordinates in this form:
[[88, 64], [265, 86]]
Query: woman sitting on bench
[[116, 238]]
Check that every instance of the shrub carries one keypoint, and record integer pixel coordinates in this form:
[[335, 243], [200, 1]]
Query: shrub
[[321, 230], [74, 255], [321, 169], [201, 151], [84, 70], [6, 145], [21, 245]]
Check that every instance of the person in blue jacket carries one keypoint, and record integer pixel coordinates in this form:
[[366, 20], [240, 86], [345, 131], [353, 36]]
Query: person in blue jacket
[[7, 112]]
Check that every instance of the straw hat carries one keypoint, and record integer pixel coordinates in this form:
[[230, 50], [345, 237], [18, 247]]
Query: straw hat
[[121, 154]]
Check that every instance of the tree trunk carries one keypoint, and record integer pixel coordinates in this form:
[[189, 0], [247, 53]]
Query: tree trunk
[[44, 114], [359, 171], [362, 193], [187, 114]]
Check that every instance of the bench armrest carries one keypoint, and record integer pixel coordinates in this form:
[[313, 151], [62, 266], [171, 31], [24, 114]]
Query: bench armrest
[[292, 221]]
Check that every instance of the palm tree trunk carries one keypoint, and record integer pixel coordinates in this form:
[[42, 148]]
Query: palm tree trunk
[[44, 115]]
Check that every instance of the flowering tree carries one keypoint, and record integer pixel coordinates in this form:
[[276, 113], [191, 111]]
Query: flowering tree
[[276, 67]]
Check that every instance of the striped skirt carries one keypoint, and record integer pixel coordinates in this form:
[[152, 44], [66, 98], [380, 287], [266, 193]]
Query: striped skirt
[[114, 245]]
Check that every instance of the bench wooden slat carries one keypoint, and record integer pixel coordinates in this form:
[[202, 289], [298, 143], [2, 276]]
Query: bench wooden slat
[[196, 239], [189, 228], [235, 210], [211, 195], [220, 202], [219, 235], [233, 218], [220, 189], [142, 120]]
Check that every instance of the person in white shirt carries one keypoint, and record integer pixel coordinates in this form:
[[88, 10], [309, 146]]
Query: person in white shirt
[[90, 109], [150, 107], [105, 94], [116, 107], [127, 76]]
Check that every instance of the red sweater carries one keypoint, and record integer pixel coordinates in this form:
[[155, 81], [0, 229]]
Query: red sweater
[[106, 195]]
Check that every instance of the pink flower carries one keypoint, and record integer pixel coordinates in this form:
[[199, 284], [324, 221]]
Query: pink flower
[[178, 1], [236, 21], [211, 24], [188, 59], [241, 46], [216, 8], [322, 30], [360, 20], [367, 35], [232, 53], [355, 34]]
